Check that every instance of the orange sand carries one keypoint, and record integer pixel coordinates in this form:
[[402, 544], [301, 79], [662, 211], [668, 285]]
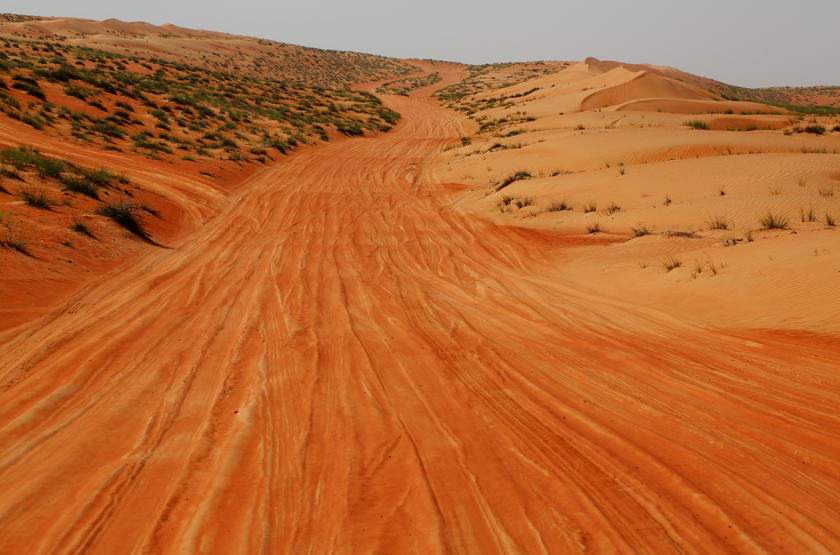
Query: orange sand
[[353, 353]]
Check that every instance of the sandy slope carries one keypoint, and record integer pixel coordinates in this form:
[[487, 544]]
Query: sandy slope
[[346, 360], [615, 136], [211, 50]]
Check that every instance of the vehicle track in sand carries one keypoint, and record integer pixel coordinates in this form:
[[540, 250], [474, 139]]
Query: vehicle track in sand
[[346, 362]]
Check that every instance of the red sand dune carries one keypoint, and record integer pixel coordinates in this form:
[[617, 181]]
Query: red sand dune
[[349, 352], [345, 360]]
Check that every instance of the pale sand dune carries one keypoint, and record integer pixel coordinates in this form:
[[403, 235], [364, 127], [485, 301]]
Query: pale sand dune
[[85, 26], [660, 174], [642, 85], [595, 85]]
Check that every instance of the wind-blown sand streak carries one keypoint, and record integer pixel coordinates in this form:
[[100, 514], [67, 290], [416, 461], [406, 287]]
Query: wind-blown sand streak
[[348, 361]]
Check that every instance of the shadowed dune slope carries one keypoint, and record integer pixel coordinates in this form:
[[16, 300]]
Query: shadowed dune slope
[[347, 361]]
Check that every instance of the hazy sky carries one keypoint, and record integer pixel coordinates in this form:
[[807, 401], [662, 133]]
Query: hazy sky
[[752, 43]]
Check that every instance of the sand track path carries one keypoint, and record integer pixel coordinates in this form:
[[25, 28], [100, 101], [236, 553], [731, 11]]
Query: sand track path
[[347, 362]]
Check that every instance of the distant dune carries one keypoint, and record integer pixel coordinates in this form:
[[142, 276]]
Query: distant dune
[[212, 50]]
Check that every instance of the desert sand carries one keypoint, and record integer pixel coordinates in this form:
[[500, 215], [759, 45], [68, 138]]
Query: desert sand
[[355, 350]]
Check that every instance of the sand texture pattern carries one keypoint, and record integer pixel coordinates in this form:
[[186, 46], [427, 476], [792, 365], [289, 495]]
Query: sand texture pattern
[[347, 360]]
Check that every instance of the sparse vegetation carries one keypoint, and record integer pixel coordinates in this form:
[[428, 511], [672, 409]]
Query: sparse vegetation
[[125, 213], [496, 76], [773, 221], [79, 184], [590, 206], [595, 227], [408, 84], [9, 238], [37, 198], [516, 176], [671, 263], [558, 206], [640, 231], [718, 222], [611, 209], [808, 214], [240, 110], [80, 227], [697, 124]]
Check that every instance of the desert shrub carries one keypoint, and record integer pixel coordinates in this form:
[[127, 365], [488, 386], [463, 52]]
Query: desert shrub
[[697, 124], [516, 176], [558, 206], [125, 214], [612, 208], [80, 227], [773, 221], [30, 89], [10, 239], [815, 129], [671, 263], [718, 222], [591, 206], [109, 129], [808, 214], [79, 184], [351, 129], [37, 198], [100, 177]]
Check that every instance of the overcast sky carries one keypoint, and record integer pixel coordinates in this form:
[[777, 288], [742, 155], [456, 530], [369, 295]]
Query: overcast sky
[[752, 43]]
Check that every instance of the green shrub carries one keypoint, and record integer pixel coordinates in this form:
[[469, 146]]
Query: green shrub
[[37, 198], [81, 185]]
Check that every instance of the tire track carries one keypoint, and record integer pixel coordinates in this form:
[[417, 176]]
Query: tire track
[[345, 361]]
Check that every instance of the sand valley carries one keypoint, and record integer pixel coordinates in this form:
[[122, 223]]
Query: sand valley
[[339, 303]]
